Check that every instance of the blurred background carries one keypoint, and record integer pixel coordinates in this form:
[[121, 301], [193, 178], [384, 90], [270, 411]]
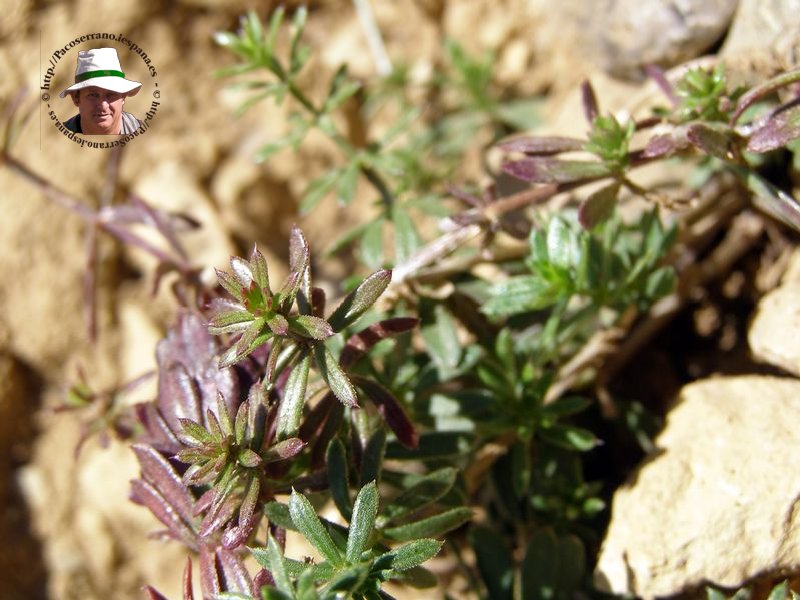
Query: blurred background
[[69, 530]]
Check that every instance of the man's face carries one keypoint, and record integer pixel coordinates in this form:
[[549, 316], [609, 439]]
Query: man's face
[[100, 110]]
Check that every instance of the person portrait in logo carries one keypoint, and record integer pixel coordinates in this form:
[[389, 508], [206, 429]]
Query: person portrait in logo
[[99, 92]]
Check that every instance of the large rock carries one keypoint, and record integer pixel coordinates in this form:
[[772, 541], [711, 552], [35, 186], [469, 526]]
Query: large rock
[[775, 330], [717, 503]]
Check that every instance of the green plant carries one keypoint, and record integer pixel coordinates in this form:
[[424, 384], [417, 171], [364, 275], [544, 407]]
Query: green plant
[[446, 406]]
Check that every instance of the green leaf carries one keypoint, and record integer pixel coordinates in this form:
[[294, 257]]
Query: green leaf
[[304, 517], [278, 514], [571, 438], [360, 300], [230, 322], [440, 335], [571, 564], [371, 248], [762, 90], [424, 492], [365, 510], [540, 566], [406, 238], [338, 482], [495, 563], [318, 189], [277, 567], [521, 294], [258, 265], [310, 327], [195, 431], [334, 376], [346, 185], [660, 283], [414, 554], [711, 138], [430, 527], [372, 460], [565, 406]]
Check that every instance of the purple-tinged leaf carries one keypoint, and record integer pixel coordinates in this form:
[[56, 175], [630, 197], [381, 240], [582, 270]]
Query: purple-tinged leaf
[[765, 89], [242, 272], [782, 127], [248, 458], [248, 518], [223, 305], [163, 222], [209, 577], [257, 415], [157, 471], [204, 502], [235, 577], [189, 379], [294, 395], [542, 146], [334, 376], [310, 327], [159, 435], [551, 170], [214, 426], [298, 251], [224, 416], [318, 302], [656, 73], [145, 494], [361, 342], [258, 266], [666, 144], [360, 299], [589, 101], [193, 434], [231, 285], [771, 199], [391, 410], [278, 324], [154, 594], [283, 450], [218, 516], [230, 322], [188, 590], [240, 425], [599, 206], [712, 139]]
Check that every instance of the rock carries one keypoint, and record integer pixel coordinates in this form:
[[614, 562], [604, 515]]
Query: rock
[[622, 36], [775, 330], [717, 502]]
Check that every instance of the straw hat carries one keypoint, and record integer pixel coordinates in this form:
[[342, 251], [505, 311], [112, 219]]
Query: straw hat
[[100, 67]]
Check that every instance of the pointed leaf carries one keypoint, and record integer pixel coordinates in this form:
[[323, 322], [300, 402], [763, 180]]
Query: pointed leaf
[[294, 395], [230, 284], [572, 438], [304, 517], [762, 90], [414, 554], [338, 482], [157, 470], [285, 449], [430, 527], [258, 265], [542, 146], [589, 101], [193, 433], [495, 563], [771, 199], [714, 140], [551, 170], [782, 127], [278, 324], [424, 492], [372, 459], [310, 327], [277, 567], [599, 206], [241, 271], [334, 376], [365, 510], [230, 322], [360, 300], [406, 237], [391, 410]]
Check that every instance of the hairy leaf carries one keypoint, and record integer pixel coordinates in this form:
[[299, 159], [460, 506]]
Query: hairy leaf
[[360, 300], [365, 510], [304, 517]]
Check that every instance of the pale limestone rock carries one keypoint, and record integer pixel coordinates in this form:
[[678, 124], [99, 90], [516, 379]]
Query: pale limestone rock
[[774, 334], [717, 501]]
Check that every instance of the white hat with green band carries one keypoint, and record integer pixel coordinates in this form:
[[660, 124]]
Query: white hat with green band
[[100, 67]]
